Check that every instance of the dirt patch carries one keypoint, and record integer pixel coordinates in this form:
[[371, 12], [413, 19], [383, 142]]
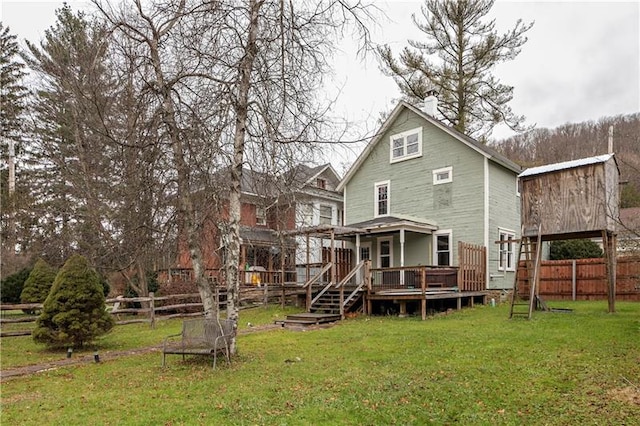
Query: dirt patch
[[629, 394]]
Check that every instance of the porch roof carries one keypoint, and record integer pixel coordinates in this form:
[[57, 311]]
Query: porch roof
[[394, 223], [326, 230], [262, 237]]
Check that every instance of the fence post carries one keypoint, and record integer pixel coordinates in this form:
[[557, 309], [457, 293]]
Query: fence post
[[152, 310], [573, 280]]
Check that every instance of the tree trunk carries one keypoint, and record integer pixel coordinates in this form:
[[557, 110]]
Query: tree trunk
[[241, 109]]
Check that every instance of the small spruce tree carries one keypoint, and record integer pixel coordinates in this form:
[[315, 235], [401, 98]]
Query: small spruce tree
[[12, 286], [574, 249], [74, 313], [36, 287]]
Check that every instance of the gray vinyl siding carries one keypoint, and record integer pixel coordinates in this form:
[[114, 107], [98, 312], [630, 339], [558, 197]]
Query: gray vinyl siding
[[504, 212], [417, 248], [458, 205]]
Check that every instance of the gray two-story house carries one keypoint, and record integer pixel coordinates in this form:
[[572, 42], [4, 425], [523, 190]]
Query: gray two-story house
[[420, 187]]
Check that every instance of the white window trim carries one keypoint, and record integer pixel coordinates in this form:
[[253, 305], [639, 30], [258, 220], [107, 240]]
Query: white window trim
[[517, 187], [375, 198], [436, 172], [404, 135], [378, 257], [511, 235], [436, 234]]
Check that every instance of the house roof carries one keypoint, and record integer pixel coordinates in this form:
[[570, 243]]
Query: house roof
[[306, 174], [486, 151], [565, 165], [264, 184]]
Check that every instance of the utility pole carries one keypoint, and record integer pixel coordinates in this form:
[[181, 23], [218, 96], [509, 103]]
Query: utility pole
[[12, 168]]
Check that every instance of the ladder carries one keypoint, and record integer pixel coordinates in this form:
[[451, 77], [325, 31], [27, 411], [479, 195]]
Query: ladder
[[529, 259]]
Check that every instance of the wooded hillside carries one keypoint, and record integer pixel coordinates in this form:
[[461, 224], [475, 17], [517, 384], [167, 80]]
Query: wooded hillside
[[572, 141]]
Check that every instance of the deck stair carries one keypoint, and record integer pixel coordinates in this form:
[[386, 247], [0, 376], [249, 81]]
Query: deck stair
[[528, 273], [332, 301], [329, 301]]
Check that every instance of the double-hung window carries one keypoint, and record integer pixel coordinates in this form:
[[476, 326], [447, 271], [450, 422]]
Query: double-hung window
[[381, 198], [406, 145], [326, 215], [507, 261], [261, 216]]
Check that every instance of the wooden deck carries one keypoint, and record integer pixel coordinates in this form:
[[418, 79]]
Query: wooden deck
[[309, 318], [403, 296]]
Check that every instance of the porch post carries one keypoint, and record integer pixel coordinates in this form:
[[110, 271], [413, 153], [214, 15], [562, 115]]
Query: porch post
[[308, 260], [401, 256], [309, 289], [360, 275], [334, 277]]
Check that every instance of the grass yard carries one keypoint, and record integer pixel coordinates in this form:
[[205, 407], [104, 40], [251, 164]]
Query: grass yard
[[469, 367]]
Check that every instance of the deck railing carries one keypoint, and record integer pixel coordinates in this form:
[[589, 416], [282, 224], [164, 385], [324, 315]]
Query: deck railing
[[414, 277], [246, 277]]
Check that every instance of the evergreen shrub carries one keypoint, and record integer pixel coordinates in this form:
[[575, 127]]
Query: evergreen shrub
[[36, 287], [74, 313]]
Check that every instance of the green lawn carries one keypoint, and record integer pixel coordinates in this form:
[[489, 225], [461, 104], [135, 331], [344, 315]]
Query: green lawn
[[469, 367]]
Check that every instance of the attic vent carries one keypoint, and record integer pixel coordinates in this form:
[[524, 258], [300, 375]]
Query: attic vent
[[321, 183]]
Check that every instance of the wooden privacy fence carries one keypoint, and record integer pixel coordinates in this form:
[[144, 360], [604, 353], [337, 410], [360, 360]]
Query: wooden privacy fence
[[585, 279], [472, 264]]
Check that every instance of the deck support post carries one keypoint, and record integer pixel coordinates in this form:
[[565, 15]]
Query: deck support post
[[401, 256], [309, 288], [403, 309]]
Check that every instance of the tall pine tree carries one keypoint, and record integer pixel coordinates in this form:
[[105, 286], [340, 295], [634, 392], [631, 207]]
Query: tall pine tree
[[456, 59], [12, 106]]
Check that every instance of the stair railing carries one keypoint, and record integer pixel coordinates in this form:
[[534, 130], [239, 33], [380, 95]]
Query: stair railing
[[317, 276], [309, 285], [323, 291], [359, 287]]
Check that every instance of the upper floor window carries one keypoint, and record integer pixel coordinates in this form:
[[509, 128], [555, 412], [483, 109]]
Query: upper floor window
[[406, 145], [261, 216], [321, 183], [326, 215], [381, 196], [507, 260], [443, 175]]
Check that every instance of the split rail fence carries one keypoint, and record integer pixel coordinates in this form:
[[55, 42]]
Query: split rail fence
[[130, 310]]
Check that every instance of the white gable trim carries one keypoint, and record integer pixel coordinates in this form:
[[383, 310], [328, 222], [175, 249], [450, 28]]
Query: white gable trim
[[326, 167], [452, 132]]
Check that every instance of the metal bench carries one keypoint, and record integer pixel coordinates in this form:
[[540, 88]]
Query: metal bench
[[201, 336]]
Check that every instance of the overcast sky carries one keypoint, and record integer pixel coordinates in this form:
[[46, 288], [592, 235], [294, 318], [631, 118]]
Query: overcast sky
[[582, 60]]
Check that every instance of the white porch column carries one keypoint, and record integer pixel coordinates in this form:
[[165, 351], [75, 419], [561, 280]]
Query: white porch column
[[402, 255], [358, 257]]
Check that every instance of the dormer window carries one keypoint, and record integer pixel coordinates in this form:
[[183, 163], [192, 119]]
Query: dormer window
[[405, 145], [321, 183]]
